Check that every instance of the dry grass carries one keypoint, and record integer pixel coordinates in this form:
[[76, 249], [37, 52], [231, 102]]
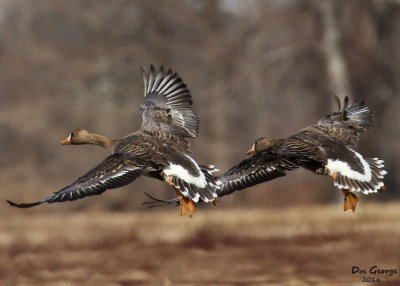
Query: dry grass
[[293, 246]]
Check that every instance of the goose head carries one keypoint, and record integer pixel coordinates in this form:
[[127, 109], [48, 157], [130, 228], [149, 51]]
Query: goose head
[[263, 143], [78, 136]]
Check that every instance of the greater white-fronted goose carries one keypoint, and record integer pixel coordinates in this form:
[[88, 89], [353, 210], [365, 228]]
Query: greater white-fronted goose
[[325, 148], [157, 150]]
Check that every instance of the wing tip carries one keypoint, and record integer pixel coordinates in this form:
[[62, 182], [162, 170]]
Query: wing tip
[[152, 69], [24, 205]]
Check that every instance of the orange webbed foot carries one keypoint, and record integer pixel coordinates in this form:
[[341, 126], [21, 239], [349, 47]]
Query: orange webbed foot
[[186, 204], [350, 200]]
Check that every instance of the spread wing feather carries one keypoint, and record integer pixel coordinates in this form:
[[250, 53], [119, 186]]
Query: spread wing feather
[[167, 104], [259, 168], [347, 123], [115, 171]]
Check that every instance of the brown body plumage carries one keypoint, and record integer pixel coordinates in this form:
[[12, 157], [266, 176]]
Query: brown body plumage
[[325, 148], [157, 150]]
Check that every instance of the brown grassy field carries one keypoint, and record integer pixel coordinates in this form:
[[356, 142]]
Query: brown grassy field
[[316, 245]]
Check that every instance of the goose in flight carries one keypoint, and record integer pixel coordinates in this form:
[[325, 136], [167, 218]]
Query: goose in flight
[[159, 149], [327, 148]]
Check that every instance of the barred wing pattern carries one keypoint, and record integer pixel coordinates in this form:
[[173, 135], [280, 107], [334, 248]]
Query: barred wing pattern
[[259, 168], [347, 123], [115, 171], [168, 105]]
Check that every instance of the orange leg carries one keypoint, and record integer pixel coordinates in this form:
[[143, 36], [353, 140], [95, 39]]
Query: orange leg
[[381, 190], [350, 200], [186, 204]]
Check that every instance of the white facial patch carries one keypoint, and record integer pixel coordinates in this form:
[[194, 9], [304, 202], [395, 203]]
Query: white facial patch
[[340, 167]]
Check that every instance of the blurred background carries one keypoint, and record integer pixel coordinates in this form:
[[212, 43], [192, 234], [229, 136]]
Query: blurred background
[[254, 68]]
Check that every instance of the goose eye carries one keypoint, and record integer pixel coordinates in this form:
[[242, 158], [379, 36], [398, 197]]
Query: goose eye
[[72, 133]]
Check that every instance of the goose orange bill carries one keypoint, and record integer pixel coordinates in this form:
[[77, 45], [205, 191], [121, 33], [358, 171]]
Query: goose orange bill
[[66, 141], [251, 151]]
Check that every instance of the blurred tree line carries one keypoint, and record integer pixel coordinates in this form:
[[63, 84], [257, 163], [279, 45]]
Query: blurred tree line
[[255, 68]]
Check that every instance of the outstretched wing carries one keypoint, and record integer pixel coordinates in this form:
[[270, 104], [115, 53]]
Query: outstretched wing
[[259, 168], [347, 123], [167, 104], [115, 171], [356, 116]]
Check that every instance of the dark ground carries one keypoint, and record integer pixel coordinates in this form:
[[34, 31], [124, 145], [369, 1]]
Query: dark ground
[[315, 245]]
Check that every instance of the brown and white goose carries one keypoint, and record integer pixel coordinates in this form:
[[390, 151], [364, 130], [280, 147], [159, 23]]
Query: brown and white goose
[[325, 148], [157, 150]]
